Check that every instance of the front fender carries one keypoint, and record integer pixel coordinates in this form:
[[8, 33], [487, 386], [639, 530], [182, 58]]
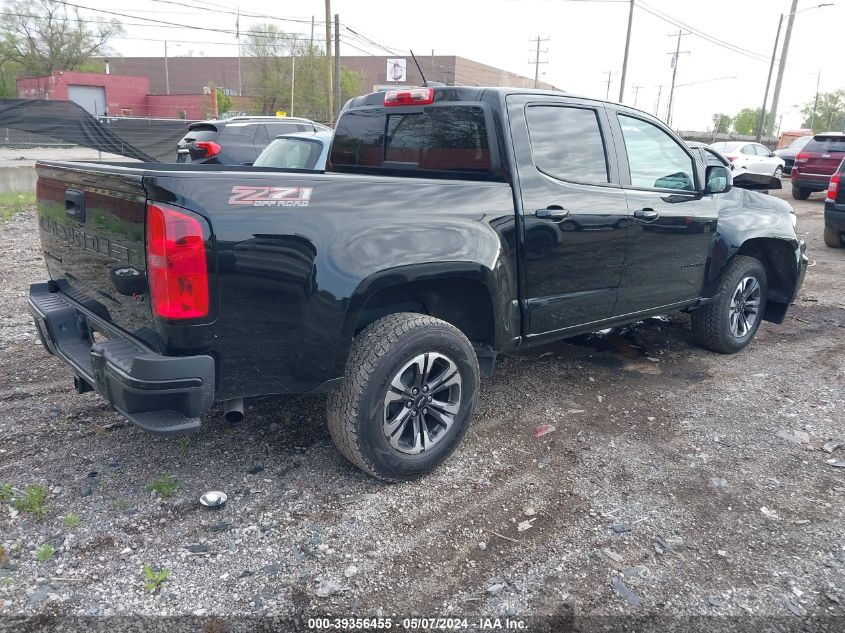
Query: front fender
[[745, 216]]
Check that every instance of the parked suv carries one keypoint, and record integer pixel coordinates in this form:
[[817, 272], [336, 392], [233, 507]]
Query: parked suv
[[816, 163], [238, 140], [834, 209]]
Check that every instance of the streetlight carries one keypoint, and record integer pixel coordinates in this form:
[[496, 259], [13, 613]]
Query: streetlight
[[762, 117]]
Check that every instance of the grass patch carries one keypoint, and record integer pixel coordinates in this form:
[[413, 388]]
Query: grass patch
[[72, 521], [33, 502], [123, 504], [165, 485], [153, 578], [44, 553], [6, 492], [13, 203]]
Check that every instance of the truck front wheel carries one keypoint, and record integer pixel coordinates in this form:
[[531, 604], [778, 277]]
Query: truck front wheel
[[729, 323], [407, 397]]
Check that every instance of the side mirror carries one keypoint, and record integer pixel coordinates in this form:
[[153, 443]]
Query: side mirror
[[772, 154], [718, 179]]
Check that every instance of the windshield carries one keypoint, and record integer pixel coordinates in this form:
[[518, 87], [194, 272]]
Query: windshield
[[290, 153], [725, 147], [799, 143]]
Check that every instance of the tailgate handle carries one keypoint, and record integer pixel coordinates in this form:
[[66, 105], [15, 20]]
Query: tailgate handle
[[75, 205]]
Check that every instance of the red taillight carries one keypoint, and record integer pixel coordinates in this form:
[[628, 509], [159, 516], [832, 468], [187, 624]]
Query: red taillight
[[209, 147], [731, 158], [833, 187], [415, 96], [176, 268], [802, 158]]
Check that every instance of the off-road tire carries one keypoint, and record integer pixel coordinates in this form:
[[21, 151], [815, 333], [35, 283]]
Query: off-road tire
[[800, 194], [355, 410], [711, 323], [832, 237]]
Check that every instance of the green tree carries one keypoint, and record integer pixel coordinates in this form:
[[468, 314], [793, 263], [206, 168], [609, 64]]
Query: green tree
[[224, 101], [270, 47], [745, 122], [42, 36], [826, 115], [722, 123]]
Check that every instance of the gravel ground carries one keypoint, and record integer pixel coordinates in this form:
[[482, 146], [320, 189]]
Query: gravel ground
[[676, 483]]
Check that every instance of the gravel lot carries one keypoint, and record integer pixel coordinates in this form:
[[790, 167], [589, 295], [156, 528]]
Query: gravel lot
[[676, 482]]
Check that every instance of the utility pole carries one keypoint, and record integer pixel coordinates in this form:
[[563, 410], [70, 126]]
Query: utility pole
[[782, 66], [292, 73], [537, 61], [762, 118], [636, 90], [330, 83], [337, 64], [816, 102], [675, 57], [627, 47], [166, 70], [657, 104], [311, 41], [238, 37], [609, 74]]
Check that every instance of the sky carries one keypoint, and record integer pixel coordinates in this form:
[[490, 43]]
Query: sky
[[727, 43]]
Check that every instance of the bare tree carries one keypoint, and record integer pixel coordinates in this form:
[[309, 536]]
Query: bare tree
[[43, 36]]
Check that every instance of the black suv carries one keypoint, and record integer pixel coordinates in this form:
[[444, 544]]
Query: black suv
[[834, 208], [238, 140]]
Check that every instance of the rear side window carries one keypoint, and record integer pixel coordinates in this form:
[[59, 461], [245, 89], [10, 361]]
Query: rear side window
[[438, 139], [275, 129], [566, 143], [826, 145]]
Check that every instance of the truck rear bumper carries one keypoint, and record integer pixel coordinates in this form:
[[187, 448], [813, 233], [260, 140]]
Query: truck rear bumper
[[160, 394]]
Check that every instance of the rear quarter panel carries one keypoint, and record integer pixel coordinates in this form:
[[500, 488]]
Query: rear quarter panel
[[293, 279]]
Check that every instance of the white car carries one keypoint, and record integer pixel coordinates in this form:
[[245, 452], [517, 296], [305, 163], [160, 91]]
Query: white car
[[751, 157]]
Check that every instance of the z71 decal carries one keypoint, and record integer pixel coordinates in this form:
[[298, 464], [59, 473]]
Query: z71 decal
[[270, 196]]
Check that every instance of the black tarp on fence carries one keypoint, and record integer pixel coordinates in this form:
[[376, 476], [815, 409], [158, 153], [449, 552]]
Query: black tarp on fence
[[156, 137], [68, 122]]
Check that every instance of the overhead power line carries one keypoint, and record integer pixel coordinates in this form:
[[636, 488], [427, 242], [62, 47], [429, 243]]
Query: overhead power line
[[699, 33]]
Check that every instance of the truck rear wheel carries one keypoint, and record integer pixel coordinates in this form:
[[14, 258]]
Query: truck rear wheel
[[407, 397], [729, 323], [832, 237]]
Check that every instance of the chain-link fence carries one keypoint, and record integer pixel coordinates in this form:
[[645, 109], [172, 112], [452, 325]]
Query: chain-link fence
[[18, 139]]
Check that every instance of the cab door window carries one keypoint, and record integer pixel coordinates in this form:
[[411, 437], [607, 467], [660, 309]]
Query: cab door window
[[655, 159]]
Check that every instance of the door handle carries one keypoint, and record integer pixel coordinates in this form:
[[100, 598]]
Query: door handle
[[646, 215], [553, 212], [75, 205]]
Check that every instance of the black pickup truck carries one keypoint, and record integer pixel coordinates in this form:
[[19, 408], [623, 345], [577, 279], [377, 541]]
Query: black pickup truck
[[451, 224]]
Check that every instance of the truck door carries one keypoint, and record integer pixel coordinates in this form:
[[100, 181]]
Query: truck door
[[575, 219], [672, 220]]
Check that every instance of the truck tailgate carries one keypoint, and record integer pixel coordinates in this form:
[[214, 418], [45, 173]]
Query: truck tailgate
[[91, 220]]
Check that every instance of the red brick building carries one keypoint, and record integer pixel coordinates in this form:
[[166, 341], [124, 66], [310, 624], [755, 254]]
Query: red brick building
[[114, 95]]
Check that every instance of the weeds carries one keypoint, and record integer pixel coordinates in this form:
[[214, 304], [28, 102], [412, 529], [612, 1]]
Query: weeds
[[6, 492], [184, 444], [165, 485], [123, 504], [13, 203], [33, 502], [44, 553], [153, 578], [72, 521]]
